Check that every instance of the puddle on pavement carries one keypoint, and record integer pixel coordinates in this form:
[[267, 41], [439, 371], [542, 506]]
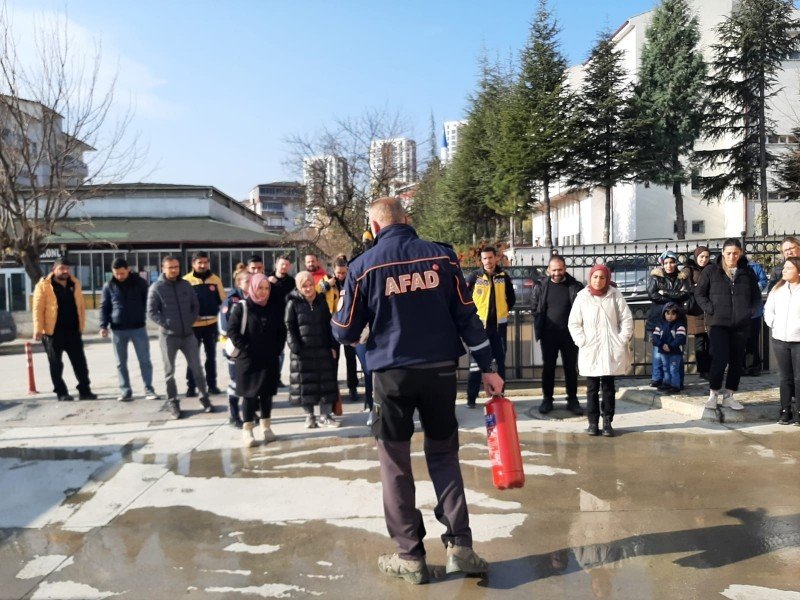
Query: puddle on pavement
[[652, 513]]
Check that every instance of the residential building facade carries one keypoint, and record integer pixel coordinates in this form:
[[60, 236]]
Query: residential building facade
[[450, 138], [392, 164], [642, 211], [281, 203], [325, 176]]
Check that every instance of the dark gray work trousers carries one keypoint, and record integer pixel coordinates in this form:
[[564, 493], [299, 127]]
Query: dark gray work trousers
[[432, 392]]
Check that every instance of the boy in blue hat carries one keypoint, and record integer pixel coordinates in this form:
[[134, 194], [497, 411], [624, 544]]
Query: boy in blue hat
[[669, 340]]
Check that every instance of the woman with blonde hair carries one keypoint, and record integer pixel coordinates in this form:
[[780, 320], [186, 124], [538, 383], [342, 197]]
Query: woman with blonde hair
[[313, 362]]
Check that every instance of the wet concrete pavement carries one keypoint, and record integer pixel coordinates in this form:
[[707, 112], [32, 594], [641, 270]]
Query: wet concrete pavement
[[118, 501]]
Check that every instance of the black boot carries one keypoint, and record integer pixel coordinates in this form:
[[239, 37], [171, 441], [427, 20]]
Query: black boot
[[234, 420], [593, 429], [608, 431], [785, 417], [353, 395]]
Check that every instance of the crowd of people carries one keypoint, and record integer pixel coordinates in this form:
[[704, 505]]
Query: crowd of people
[[405, 311], [717, 302]]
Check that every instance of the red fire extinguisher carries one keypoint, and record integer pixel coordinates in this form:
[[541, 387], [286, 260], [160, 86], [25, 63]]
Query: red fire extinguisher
[[504, 451]]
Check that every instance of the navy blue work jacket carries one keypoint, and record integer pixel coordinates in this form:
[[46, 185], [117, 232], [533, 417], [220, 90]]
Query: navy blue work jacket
[[412, 294]]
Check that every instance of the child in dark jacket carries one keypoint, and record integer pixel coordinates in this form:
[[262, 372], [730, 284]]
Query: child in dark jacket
[[669, 340]]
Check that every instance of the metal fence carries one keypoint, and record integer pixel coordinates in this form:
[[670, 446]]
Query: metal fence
[[631, 265], [524, 358]]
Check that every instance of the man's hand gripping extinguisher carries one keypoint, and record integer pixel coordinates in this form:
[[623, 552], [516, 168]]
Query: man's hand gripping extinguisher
[[504, 450]]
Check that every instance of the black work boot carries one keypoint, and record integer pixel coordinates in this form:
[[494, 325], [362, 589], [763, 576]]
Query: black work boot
[[593, 429], [608, 431]]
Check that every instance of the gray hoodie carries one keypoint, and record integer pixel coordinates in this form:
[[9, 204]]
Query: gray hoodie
[[173, 306]]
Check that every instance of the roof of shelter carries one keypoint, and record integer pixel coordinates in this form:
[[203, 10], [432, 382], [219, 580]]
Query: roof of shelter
[[201, 230]]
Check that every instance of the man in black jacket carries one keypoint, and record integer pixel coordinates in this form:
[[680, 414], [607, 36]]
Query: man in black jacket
[[552, 301], [282, 285], [123, 307]]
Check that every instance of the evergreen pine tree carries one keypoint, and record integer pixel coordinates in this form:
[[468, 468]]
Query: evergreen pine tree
[[753, 43], [470, 174], [788, 171], [599, 156], [667, 106], [544, 104]]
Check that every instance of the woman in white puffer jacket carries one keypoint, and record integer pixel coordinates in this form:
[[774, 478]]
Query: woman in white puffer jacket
[[601, 325], [782, 316]]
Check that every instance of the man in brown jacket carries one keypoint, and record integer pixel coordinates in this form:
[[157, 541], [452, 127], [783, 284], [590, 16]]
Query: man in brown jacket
[[59, 316]]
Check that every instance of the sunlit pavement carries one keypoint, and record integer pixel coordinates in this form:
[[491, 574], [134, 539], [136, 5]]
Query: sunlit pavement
[[104, 499]]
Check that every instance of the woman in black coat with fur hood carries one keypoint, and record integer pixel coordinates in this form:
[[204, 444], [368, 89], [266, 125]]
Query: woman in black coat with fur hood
[[729, 295], [313, 362]]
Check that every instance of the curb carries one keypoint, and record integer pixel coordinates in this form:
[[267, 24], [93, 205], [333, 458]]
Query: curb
[[762, 411]]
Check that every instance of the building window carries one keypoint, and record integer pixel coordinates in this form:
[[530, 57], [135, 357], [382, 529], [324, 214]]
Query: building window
[[777, 197], [698, 226], [272, 206], [782, 139], [695, 180]]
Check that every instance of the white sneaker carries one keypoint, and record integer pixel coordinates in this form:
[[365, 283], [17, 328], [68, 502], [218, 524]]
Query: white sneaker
[[369, 420], [729, 402], [311, 422], [328, 421], [713, 400]]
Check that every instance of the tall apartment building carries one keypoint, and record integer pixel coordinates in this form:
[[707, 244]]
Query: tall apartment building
[[281, 203], [452, 130], [392, 164], [325, 176], [641, 211]]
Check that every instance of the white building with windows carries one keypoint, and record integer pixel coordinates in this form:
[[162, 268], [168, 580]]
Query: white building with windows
[[641, 211], [450, 138], [281, 203], [35, 148], [393, 162], [325, 176]]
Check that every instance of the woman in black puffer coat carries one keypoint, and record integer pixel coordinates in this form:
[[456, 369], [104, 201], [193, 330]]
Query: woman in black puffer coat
[[313, 361], [729, 295]]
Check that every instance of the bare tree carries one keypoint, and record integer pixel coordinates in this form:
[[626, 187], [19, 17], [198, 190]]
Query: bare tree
[[54, 108], [341, 180]]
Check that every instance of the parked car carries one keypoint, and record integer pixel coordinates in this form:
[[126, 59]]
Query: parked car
[[632, 274], [8, 329], [524, 279]]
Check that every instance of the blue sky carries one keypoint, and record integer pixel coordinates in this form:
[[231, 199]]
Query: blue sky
[[219, 85]]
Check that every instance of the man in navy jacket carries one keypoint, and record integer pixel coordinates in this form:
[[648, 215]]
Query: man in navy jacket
[[413, 296], [123, 308]]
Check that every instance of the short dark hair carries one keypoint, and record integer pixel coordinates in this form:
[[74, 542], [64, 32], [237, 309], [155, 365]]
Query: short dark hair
[[732, 242], [169, 258], [62, 261], [119, 263], [311, 254], [340, 261], [283, 257], [254, 258], [199, 254], [491, 249], [557, 257]]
